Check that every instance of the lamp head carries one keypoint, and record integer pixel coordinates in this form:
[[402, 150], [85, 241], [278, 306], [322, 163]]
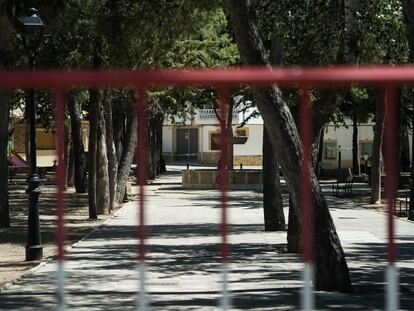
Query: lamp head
[[33, 30]]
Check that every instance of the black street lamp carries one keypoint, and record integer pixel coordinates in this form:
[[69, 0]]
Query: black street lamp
[[32, 39], [339, 160]]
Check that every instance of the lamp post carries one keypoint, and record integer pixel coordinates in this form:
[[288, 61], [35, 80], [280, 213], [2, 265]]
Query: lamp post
[[189, 136], [188, 148], [32, 39], [339, 160]]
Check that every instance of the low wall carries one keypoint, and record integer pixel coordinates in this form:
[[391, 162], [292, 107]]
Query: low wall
[[208, 179], [212, 158]]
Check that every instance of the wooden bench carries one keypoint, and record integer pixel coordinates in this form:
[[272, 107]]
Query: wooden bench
[[402, 200], [23, 172], [344, 183]]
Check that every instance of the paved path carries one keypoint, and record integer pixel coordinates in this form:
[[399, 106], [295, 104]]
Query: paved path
[[183, 269]]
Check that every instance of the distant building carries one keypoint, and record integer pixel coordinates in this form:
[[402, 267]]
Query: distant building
[[193, 140], [338, 139], [45, 141]]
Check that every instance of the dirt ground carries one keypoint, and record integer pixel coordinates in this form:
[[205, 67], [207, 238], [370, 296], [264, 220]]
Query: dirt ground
[[13, 239]]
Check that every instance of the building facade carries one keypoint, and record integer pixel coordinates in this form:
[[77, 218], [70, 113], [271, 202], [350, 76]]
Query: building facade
[[45, 141], [193, 141]]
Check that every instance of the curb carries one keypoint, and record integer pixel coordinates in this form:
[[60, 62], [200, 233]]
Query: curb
[[7, 285]]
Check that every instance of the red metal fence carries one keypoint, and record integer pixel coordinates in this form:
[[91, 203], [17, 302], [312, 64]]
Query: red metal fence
[[388, 78]]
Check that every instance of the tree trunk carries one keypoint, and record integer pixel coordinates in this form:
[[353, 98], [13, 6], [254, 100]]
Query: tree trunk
[[376, 150], [102, 176], [351, 49], [355, 158], [67, 153], [80, 178], [160, 161], [350, 56], [398, 137], [405, 153], [111, 152], [152, 147], [294, 233], [128, 151], [70, 179], [6, 48], [408, 11], [400, 132], [409, 21], [319, 157], [4, 129], [331, 269], [274, 218], [118, 118], [94, 135], [92, 152], [230, 146]]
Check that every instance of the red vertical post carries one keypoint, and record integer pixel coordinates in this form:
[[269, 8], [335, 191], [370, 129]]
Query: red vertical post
[[306, 201], [223, 172], [60, 204], [141, 174], [390, 135], [141, 170], [224, 97], [391, 169]]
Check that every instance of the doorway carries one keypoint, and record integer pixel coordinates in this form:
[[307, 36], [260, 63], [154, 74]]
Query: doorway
[[187, 145]]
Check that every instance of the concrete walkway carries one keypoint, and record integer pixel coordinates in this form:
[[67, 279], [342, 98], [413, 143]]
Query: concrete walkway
[[183, 263]]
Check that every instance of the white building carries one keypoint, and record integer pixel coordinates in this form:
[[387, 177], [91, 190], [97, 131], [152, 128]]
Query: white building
[[204, 126], [194, 139]]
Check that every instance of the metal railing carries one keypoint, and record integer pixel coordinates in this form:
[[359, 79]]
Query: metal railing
[[388, 78], [209, 114]]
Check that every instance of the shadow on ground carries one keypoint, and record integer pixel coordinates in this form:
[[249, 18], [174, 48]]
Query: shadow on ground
[[184, 258]]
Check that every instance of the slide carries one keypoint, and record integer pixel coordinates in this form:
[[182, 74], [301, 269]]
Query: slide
[[16, 160]]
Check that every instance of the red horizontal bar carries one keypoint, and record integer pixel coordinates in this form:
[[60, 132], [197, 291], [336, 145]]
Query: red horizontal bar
[[328, 76]]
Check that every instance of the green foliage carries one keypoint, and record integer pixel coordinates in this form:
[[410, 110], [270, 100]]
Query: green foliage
[[361, 101], [195, 34], [382, 32], [209, 47], [310, 31], [131, 34]]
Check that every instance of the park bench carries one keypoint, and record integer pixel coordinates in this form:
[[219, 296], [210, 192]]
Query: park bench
[[18, 168], [402, 201], [343, 183], [16, 172]]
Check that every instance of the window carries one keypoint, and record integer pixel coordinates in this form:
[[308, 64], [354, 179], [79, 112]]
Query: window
[[366, 148], [241, 132], [213, 144], [329, 150]]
